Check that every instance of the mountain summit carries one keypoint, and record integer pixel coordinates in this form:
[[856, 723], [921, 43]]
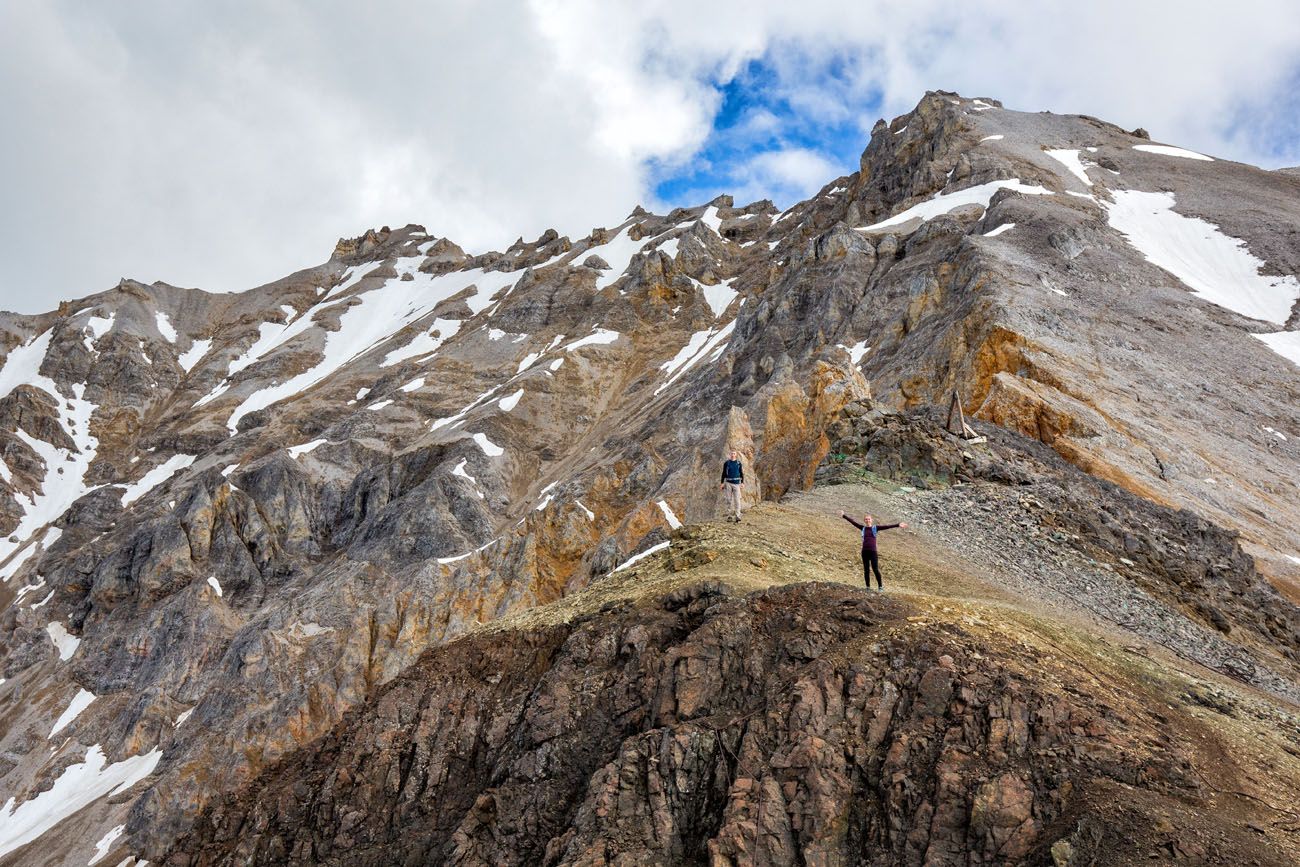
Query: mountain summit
[[411, 556]]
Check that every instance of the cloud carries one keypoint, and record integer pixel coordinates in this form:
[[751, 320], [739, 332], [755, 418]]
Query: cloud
[[224, 145], [785, 176]]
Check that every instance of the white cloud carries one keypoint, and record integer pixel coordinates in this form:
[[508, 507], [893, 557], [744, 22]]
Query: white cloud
[[222, 145], [784, 175]]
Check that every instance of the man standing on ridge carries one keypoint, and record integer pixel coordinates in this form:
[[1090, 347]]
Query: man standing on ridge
[[733, 479], [870, 558]]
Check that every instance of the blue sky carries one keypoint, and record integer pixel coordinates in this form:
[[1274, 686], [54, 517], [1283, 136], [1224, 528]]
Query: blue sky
[[760, 115]]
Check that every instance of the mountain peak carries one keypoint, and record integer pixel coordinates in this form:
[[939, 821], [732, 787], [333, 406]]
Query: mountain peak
[[272, 534]]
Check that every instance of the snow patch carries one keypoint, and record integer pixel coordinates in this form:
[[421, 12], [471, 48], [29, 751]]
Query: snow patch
[[1285, 344], [1070, 159], [992, 138], [459, 470], [64, 642], [460, 416], [653, 549], [599, 336], [711, 219], [65, 471], [28, 588], [489, 448], [510, 401], [719, 297], [16, 562], [1215, 266], [303, 448], [617, 252], [669, 516], [79, 702], [79, 785], [425, 342], [414, 385], [183, 717], [105, 843], [377, 406], [155, 477], [100, 325], [445, 560], [165, 326], [215, 585], [942, 203], [700, 345], [1005, 227], [1170, 151], [270, 336], [856, 351], [194, 354], [591, 516], [23, 364]]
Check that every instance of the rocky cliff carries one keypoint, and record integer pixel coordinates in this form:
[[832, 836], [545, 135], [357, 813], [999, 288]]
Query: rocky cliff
[[231, 521]]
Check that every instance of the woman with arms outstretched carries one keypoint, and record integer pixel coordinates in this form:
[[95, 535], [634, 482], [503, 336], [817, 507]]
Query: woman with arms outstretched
[[870, 557]]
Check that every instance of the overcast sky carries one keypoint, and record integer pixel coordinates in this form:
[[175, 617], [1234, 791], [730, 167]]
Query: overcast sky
[[225, 144]]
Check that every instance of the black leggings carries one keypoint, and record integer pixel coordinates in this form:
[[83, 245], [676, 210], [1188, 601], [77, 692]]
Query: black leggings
[[871, 560]]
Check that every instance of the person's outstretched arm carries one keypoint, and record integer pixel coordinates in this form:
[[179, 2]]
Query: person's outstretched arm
[[891, 526], [850, 520]]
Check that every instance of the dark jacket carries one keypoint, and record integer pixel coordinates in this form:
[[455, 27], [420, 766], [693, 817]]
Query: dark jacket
[[732, 471], [869, 533]]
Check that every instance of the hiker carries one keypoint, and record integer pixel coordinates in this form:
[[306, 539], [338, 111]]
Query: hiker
[[733, 479], [870, 559]]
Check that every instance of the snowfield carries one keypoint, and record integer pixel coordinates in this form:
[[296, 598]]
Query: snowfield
[[1213, 265]]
